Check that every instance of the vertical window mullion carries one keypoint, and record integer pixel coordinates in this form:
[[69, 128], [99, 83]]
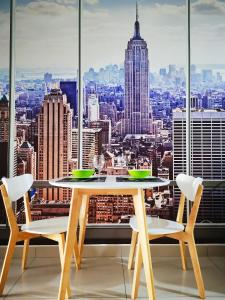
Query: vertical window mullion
[[11, 144], [188, 98], [80, 88]]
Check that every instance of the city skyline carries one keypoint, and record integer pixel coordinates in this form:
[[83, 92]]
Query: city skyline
[[162, 30]]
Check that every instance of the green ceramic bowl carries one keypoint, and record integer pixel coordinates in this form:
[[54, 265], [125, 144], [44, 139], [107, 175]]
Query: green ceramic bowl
[[83, 173], [140, 173]]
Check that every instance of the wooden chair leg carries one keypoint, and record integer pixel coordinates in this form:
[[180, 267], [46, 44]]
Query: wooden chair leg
[[182, 254], [83, 219], [132, 249], [76, 254], [61, 242], [196, 267], [7, 261], [137, 272], [25, 254]]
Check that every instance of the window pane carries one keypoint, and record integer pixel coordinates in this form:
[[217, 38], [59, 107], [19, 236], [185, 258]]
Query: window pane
[[134, 80], [208, 103], [46, 98], [4, 93]]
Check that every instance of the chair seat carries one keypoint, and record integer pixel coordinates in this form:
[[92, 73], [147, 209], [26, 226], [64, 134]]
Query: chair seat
[[158, 226], [47, 226]]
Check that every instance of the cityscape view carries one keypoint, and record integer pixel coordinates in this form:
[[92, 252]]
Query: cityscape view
[[134, 110]]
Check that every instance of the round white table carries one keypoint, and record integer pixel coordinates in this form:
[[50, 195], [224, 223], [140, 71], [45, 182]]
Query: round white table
[[81, 191]]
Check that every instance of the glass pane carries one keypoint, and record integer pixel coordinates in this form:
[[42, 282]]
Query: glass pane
[[208, 104], [4, 93], [134, 79], [46, 98]]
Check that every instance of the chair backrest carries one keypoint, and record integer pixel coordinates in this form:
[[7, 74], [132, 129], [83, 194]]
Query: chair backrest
[[191, 189], [188, 185], [12, 190], [17, 186]]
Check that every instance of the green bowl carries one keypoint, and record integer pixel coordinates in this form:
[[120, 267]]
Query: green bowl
[[140, 173], [83, 173]]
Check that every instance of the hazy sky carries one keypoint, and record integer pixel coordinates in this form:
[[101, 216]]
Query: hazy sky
[[46, 32]]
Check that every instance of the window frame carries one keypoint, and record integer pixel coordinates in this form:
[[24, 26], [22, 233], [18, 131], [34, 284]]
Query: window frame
[[80, 109]]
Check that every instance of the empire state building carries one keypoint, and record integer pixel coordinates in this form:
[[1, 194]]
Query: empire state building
[[137, 118]]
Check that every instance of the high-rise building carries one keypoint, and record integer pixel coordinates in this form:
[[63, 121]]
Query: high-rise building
[[92, 145], [105, 125], [93, 108], [26, 153], [207, 155], [70, 89], [48, 78], [4, 119], [4, 135], [54, 142], [137, 106]]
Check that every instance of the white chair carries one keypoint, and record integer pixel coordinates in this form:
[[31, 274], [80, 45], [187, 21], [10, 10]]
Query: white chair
[[191, 189], [54, 229]]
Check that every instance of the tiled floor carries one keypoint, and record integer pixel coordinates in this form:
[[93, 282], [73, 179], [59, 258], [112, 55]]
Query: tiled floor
[[108, 278]]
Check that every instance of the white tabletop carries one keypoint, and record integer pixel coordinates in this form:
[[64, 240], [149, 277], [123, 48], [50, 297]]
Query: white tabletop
[[110, 183]]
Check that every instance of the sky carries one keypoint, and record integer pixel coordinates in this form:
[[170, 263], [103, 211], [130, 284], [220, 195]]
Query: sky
[[46, 32]]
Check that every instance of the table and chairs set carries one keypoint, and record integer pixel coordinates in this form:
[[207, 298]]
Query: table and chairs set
[[144, 228]]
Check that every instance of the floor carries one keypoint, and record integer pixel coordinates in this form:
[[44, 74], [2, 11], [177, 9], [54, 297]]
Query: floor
[[108, 278]]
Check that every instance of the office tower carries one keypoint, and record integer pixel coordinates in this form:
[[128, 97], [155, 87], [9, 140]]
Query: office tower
[[207, 75], [172, 71], [93, 108], [48, 78], [4, 134], [105, 125], [92, 145], [137, 106], [157, 126], [26, 153], [54, 142], [70, 89], [162, 72], [193, 69], [196, 103], [208, 154]]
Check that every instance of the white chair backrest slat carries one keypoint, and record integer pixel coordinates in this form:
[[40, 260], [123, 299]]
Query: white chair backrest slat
[[188, 185], [17, 186]]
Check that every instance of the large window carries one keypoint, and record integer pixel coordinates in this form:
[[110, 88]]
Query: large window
[[208, 103], [133, 91], [46, 99], [134, 82]]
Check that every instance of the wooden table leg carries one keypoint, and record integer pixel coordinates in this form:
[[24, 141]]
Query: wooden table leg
[[83, 219], [140, 212], [70, 242]]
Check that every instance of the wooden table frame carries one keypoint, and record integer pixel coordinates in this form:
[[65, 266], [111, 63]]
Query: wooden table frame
[[78, 213]]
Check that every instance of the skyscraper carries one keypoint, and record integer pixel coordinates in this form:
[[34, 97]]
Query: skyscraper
[[105, 125], [207, 153], [54, 142], [92, 145], [70, 89], [137, 107], [93, 108], [27, 154]]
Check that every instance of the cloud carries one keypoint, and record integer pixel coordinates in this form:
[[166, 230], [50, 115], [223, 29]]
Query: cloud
[[46, 33], [44, 8], [209, 7], [92, 2]]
